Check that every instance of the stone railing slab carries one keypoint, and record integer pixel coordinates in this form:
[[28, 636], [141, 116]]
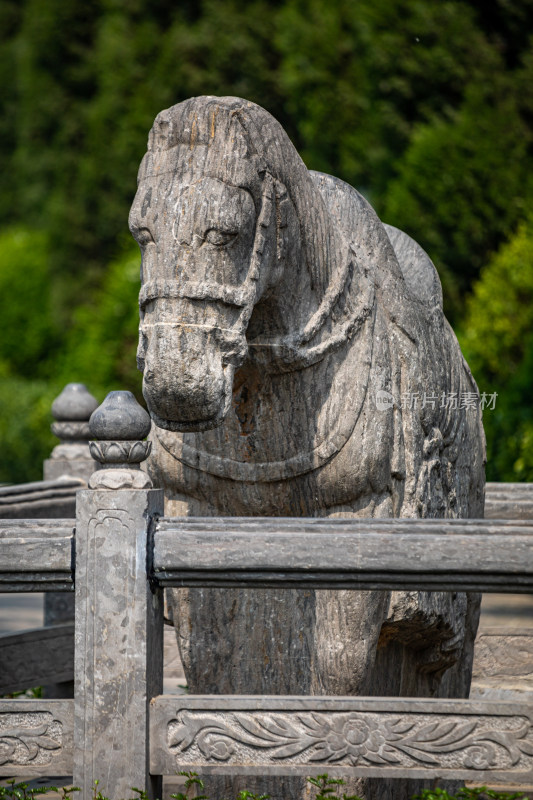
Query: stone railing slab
[[344, 736], [443, 555], [509, 501], [41, 499], [503, 664], [36, 737], [46, 656], [36, 657], [36, 555]]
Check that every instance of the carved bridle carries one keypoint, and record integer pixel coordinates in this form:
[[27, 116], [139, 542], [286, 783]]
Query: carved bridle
[[242, 297], [295, 350]]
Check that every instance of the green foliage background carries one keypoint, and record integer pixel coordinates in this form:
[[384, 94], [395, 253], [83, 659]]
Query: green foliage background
[[425, 107]]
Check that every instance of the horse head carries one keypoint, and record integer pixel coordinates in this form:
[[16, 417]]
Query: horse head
[[238, 252]]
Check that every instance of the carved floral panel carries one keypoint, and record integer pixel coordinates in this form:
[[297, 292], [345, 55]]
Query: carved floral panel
[[365, 739], [29, 738]]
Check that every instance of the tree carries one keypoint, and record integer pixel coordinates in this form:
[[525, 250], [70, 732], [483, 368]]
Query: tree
[[497, 338], [30, 334], [425, 107], [464, 184]]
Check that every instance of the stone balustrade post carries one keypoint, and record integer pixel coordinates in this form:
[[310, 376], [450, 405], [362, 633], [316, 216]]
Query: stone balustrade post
[[119, 616], [71, 458], [71, 411]]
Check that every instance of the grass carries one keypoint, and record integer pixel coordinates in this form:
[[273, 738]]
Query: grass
[[326, 789]]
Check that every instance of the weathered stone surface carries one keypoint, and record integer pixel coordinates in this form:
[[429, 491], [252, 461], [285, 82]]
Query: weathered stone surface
[[296, 365], [54, 499], [450, 555], [119, 417], [71, 411], [34, 657], [118, 640], [120, 479], [343, 736], [36, 555], [60, 610], [509, 500], [119, 614], [121, 423], [503, 664], [129, 452], [75, 403], [36, 737]]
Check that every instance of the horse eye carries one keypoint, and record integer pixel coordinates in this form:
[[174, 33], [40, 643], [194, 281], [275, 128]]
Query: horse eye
[[144, 237], [219, 238]]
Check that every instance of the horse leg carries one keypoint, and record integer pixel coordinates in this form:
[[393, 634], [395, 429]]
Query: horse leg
[[427, 653], [236, 641], [268, 641]]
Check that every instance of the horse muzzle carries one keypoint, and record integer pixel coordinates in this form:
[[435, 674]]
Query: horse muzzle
[[188, 373]]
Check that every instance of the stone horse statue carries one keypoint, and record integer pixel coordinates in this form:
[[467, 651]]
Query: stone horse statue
[[297, 362]]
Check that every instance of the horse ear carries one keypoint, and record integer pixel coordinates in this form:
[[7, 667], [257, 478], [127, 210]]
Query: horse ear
[[158, 138]]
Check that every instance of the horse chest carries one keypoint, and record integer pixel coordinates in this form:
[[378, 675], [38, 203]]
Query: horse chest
[[306, 444], [355, 479]]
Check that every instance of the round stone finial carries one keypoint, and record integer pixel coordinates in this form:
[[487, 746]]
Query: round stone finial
[[74, 404], [71, 411], [120, 418], [120, 424]]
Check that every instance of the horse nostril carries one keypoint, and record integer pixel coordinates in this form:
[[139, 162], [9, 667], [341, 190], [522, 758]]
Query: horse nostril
[[149, 376]]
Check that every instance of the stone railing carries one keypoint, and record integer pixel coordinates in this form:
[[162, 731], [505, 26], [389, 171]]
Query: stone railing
[[119, 553]]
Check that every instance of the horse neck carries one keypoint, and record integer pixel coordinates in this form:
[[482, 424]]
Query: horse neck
[[304, 280], [275, 375]]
